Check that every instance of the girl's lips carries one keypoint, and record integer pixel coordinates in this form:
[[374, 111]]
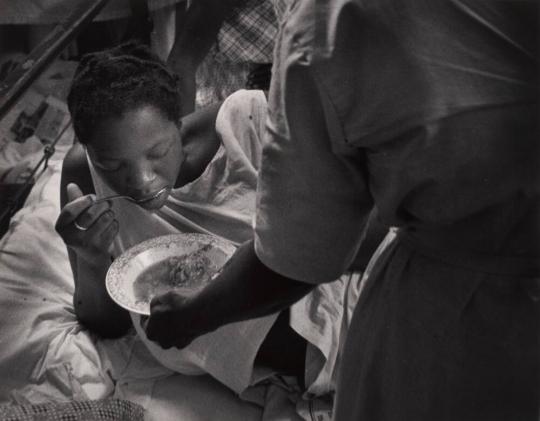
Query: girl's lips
[[151, 200], [152, 196]]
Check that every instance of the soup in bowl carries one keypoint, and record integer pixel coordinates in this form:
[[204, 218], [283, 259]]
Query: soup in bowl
[[183, 263]]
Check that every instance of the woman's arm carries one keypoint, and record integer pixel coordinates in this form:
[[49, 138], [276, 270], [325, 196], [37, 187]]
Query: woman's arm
[[245, 289], [93, 306]]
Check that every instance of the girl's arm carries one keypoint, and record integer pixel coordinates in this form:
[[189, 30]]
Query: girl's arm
[[93, 306], [200, 142]]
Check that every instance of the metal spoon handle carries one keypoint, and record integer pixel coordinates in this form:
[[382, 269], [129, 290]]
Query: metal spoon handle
[[116, 196], [123, 196]]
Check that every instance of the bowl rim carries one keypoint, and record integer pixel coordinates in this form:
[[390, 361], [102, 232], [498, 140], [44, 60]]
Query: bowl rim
[[115, 269]]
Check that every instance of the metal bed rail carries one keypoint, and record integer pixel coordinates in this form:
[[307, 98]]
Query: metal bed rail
[[24, 74], [16, 83]]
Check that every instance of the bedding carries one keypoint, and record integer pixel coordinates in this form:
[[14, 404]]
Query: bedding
[[47, 356], [44, 353]]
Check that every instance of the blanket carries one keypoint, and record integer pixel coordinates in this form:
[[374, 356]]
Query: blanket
[[47, 357]]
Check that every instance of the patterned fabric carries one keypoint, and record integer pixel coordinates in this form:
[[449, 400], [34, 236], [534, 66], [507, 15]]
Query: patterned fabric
[[246, 39], [217, 80], [99, 410], [248, 34]]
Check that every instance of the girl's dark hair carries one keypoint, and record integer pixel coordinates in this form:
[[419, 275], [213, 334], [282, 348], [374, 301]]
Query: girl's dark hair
[[109, 83]]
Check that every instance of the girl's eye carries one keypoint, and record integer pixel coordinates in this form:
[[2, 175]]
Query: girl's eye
[[109, 166], [160, 151]]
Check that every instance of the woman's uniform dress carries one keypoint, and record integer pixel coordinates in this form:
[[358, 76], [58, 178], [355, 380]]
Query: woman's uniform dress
[[427, 109]]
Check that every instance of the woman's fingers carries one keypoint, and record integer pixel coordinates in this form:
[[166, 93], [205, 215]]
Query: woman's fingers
[[169, 322]]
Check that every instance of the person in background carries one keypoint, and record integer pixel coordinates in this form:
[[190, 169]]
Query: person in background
[[230, 42], [427, 109]]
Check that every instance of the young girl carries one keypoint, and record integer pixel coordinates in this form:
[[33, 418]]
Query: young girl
[[202, 171]]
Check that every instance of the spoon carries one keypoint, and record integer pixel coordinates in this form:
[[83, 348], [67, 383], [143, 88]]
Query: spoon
[[131, 199]]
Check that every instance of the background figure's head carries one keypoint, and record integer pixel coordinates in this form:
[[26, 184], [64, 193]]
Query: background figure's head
[[125, 108]]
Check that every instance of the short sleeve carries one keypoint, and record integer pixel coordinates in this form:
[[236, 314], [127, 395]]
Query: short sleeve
[[240, 124], [312, 204]]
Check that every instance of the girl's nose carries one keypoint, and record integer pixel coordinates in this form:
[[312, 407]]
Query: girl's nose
[[141, 177]]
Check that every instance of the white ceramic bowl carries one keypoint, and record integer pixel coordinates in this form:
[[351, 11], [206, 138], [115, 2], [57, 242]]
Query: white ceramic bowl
[[125, 270]]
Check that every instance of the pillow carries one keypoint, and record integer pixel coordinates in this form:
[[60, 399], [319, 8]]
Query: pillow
[[45, 355]]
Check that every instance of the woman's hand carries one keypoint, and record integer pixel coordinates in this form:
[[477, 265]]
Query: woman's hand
[[244, 289], [175, 320], [87, 228]]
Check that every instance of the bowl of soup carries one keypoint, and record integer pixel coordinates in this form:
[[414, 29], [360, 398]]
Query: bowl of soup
[[183, 263]]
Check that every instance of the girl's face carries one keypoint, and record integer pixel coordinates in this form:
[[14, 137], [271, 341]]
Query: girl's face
[[138, 154]]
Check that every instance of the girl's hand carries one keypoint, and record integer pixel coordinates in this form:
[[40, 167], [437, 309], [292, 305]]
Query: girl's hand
[[88, 228]]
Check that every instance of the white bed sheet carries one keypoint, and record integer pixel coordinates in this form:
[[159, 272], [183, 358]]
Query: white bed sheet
[[46, 355]]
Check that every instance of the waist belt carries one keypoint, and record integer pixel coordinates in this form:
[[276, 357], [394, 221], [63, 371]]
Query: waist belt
[[437, 247]]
